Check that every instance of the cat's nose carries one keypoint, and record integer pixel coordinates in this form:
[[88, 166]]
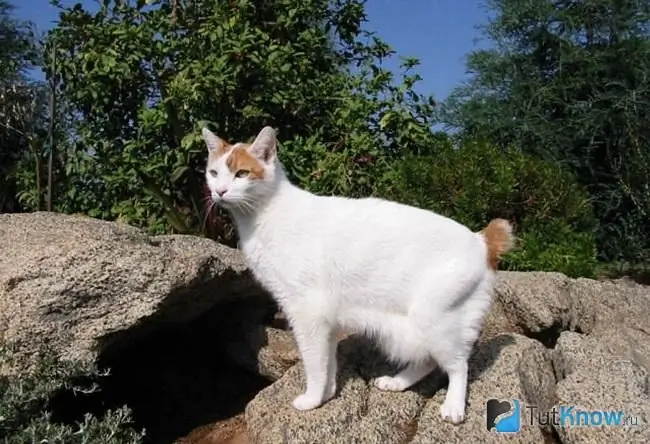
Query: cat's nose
[[221, 191]]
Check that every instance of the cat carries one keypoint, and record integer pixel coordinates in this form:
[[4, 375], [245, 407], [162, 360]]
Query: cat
[[416, 281]]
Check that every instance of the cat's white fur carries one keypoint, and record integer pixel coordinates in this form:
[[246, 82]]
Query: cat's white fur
[[416, 281]]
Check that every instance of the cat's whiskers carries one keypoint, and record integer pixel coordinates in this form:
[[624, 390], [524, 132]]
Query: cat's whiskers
[[246, 206], [207, 215]]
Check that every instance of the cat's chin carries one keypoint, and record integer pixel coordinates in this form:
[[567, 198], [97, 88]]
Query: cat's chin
[[225, 204], [229, 205]]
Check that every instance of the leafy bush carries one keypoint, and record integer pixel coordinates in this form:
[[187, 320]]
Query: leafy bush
[[477, 181], [576, 92], [25, 415], [132, 111], [555, 246], [350, 172]]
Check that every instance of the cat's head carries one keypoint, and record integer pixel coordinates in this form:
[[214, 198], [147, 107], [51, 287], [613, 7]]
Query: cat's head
[[240, 175]]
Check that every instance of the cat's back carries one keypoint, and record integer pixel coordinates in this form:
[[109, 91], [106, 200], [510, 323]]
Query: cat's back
[[375, 223], [385, 214]]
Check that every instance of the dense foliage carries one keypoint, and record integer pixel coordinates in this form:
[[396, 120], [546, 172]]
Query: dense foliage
[[477, 182], [141, 86], [570, 81]]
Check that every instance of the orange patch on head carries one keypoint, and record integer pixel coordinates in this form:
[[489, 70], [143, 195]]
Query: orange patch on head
[[241, 160]]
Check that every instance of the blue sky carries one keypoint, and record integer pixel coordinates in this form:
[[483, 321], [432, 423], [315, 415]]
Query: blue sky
[[438, 32]]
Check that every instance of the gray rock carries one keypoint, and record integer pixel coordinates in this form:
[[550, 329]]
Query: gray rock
[[81, 284], [265, 350], [544, 304], [593, 375]]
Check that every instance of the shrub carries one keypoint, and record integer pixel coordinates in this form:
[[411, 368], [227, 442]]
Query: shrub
[[350, 172], [476, 181], [26, 417], [554, 246]]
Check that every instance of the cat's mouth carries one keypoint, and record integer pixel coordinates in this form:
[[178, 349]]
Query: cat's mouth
[[225, 201], [220, 201]]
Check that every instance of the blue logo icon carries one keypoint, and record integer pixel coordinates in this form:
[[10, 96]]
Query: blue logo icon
[[503, 416]]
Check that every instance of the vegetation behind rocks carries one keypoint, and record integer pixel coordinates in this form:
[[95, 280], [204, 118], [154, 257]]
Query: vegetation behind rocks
[[134, 83]]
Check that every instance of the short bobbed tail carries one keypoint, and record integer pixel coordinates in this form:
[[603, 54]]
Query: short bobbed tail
[[499, 239]]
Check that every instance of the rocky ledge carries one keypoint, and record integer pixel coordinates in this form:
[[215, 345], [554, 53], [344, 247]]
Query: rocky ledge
[[180, 319]]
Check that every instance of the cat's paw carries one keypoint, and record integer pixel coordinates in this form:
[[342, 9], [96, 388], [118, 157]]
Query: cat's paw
[[390, 384], [453, 411], [306, 402]]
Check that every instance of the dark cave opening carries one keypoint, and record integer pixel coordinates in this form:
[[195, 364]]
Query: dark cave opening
[[175, 378]]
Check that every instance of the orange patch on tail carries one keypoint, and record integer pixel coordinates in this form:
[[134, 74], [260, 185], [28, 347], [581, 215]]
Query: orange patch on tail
[[499, 239], [240, 159]]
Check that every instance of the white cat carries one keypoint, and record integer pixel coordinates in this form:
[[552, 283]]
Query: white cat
[[418, 282]]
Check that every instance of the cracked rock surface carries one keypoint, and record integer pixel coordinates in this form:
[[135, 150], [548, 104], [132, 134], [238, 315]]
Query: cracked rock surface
[[602, 375], [506, 366]]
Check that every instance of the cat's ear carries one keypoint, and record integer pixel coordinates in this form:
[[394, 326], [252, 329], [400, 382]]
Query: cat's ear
[[264, 147], [214, 143]]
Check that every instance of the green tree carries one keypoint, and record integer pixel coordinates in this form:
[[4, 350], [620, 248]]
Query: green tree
[[142, 79], [571, 80], [137, 81]]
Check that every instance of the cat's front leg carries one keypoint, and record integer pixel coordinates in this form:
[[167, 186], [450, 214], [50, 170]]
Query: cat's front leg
[[318, 352], [332, 367]]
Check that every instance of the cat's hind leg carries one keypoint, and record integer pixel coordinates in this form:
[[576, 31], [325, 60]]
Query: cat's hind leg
[[450, 326], [401, 343], [453, 408], [453, 353], [407, 377], [317, 347]]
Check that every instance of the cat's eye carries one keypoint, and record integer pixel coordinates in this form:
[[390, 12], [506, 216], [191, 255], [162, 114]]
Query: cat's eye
[[242, 173], [213, 173]]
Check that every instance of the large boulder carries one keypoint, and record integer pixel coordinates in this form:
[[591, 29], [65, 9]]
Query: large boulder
[[542, 305], [83, 285]]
